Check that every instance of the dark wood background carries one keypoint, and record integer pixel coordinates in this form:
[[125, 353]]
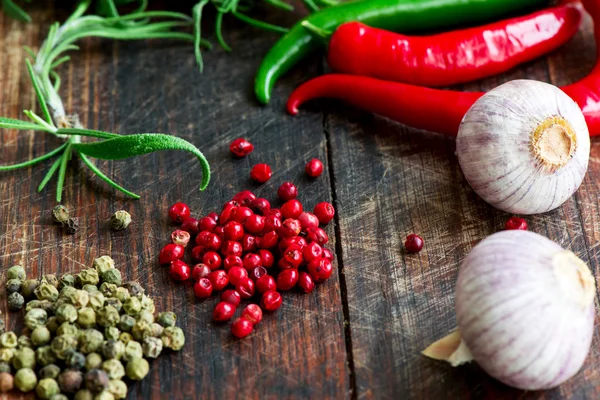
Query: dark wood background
[[358, 336]]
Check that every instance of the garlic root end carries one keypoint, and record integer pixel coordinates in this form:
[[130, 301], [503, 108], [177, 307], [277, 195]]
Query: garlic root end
[[450, 348]]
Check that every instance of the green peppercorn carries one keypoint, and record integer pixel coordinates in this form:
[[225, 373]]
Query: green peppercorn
[[107, 316], [126, 323], [96, 380], [5, 366], [35, 317], [45, 305], [120, 220], [113, 349], [96, 300], [147, 304], [52, 324], [24, 341], [75, 360], [152, 347], [80, 299], [125, 337], [118, 388], [60, 214], [90, 288], [133, 350], [114, 302], [122, 294], [88, 276], [104, 395], [28, 287], [63, 345], [145, 316], [103, 263], [59, 396], [25, 380], [140, 330], [134, 288], [113, 368], [70, 380], [49, 371], [67, 291], [173, 338], [40, 336], [13, 286], [137, 369], [111, 333], [6, 355], [46, 291], [112, 276], [167, 319], [90, 341], [16, 272], [108, 289], [46, 388], [84, 394], [67, 280], [93, 361], [7, 382], [67, 328], [44, 356], [24, 358], [86, 318], [132, 306], [15, 301], [50, 279], [8, 340]]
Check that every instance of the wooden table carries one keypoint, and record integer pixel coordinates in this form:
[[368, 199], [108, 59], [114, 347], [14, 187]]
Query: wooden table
[[358, 336]]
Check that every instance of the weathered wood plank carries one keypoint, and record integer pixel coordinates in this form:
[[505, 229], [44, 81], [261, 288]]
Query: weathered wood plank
[[392, 181], [298, 352]]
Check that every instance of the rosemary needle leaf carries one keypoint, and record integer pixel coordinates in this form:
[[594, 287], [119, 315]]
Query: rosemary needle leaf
[[219, 31], [10, 123], [39, 93], [259, 24], [62, 172], [33, 161], [49, 174], [310, 4], [14, 11], [106, 178], [197, 15], [280, 4], [139, 144], [86, 132]]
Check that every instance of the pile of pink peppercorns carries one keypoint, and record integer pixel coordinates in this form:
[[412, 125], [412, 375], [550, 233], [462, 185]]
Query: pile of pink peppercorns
[[251, 251]]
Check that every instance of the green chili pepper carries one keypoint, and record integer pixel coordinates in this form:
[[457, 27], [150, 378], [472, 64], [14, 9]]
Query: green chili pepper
[[394, 15]]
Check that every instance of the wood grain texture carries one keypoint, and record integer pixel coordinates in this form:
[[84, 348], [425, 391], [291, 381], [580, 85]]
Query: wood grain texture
[[297, 352]]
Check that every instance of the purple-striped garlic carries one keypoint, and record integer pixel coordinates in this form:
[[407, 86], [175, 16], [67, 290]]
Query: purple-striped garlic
[[525, 311], [524, 147]]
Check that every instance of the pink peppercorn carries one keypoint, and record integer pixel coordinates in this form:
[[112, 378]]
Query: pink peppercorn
[[261, 173], [252, 313], [413, 243], [314, 168], [223, 312], [516, 223], [241, 328]]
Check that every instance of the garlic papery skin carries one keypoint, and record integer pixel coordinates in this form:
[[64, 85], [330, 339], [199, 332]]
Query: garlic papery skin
[[525, 311], [524, 147]]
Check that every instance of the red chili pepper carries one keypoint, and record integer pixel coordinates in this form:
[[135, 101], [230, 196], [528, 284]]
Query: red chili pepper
[[433, 109], [451, 57]]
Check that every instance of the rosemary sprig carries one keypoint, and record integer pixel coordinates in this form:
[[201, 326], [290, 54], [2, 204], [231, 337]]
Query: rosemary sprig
[[53, 120]]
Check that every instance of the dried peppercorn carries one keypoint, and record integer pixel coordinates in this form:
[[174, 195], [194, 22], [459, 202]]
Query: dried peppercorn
[[6, 382], [96, 380], [60, 214], [50, 371], [113, 368], [16, 272], [70, 381], [15, 301], [46, 388], [24, 358], [93, 361], [25, 380], [137, 369], [120, 220]]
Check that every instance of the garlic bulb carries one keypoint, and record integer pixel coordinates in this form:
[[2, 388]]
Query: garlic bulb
[[524, 147], [525, 311]]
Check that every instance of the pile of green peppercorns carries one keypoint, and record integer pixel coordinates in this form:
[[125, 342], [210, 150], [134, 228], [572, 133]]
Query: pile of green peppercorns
[[83, 334]]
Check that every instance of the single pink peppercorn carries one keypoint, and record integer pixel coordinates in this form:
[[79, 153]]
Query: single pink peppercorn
[[314, 168], [261, 173], [260, 206], [236, 274], [223, 311], [200, 271], [191, 225], [252, 313], [265, 284], [271, 301], [245, 288], [244, 198], [320, 269], [306, 284], [207, 224], [255, 224], [180, 237], [232, 261], [179, 212], [516, 223], [291, 209], [219, 279], [287, 279], [240, 147], [308, 220], [267, 258], [212, 259], [171, 252], [232, 297], [241, 328], [203, 288], [311, 251], [324, 212], [179, 271], [413, 243], [317, 235], [287, 191], [233, 231]]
